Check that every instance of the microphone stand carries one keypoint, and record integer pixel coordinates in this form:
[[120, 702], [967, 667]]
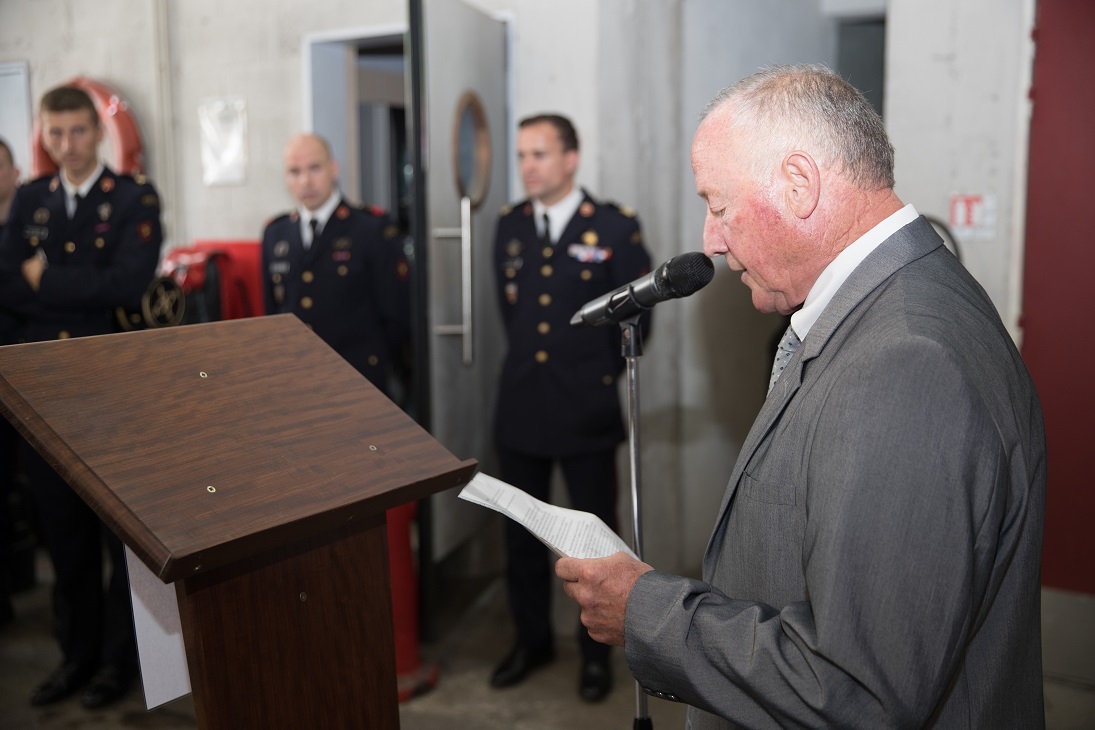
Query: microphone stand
[[631, 346]]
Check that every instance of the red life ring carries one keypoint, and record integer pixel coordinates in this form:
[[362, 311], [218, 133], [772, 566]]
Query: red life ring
[[120, 127]]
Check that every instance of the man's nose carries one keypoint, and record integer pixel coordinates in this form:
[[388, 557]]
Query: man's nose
[[711, 234]]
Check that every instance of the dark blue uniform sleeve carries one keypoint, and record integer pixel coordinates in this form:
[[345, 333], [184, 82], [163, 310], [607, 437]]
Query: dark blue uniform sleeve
[[15, 294], [499, 267], [269, 307], [628, 263], [391, 283]]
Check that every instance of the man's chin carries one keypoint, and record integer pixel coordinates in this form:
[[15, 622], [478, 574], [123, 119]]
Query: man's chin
[[766, 302]]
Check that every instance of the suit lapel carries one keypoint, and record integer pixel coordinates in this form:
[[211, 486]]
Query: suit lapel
[[88, 208], [577, 223], [55, 204], [58, 222], [296, 243], [528, 227], [911, 242]]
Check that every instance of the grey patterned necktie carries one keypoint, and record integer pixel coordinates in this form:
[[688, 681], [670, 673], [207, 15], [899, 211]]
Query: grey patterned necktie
[[787, 347]]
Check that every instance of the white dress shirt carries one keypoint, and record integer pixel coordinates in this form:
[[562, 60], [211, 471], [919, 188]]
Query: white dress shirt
[[322, 214], [840, 268], [71, 191], [558, 215]]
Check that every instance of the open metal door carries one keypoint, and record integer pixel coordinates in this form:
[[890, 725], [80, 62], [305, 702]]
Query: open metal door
[[457, 60]]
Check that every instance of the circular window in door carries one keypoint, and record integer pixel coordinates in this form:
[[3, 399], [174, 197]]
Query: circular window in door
[[471, 149]]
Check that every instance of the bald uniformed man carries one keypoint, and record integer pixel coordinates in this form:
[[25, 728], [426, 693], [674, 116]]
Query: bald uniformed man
[[79, 244], [336, 266], [558, 400]]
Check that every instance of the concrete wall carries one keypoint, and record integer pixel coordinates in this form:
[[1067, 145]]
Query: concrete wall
[[957, 112]]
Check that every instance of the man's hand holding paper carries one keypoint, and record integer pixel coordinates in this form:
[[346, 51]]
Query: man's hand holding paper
[[597, 566], [601, 587]]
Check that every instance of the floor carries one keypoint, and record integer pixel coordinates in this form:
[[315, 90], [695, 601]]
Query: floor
[[472, 642]]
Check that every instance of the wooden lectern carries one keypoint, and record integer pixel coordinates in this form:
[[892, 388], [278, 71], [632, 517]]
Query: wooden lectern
[[249, 464]]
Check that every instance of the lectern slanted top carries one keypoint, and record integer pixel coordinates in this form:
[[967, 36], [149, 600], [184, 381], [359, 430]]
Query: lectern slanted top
[[219, 451]]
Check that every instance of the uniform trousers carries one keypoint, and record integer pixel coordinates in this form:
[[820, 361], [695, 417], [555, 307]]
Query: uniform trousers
[[9, 449], [93, 627], [591, 484]]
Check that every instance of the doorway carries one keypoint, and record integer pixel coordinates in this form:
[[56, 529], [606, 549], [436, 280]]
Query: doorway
[[369, 92]]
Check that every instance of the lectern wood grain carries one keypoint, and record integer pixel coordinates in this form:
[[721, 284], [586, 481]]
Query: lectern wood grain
[[209, 443], [251, 465], [305, 621]]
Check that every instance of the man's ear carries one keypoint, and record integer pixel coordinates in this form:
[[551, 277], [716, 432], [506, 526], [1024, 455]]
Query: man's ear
[[803, 183], [570, 159]]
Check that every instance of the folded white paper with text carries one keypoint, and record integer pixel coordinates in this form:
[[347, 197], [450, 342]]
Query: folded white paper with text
[[568, 532]]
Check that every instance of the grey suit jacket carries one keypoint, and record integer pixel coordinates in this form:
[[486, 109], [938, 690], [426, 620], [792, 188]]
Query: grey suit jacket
[[875, 562]]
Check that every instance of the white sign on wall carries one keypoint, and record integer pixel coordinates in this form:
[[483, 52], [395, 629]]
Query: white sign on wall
[[973, 216], [223, 125], [15, 112]]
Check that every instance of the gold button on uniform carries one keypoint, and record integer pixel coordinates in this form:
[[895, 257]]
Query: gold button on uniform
[[545, 300], [70, 247], [63, 335], [276, 278], [541, 356], [306, 302], [373, 359], [548, 251], [307, 277], [342, 271], [543, 328], [99, 243], [586, 274], [546, 270], [607, 380]]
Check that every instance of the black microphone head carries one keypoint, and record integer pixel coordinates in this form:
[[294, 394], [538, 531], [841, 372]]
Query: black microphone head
[[687, 273]]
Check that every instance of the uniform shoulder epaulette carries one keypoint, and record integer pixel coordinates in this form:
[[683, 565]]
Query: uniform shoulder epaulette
[[508, 208], [625, 210], [41, 180], [137, 179], [278, 218]]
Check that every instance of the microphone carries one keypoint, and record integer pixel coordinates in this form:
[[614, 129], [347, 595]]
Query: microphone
[[680, 276]]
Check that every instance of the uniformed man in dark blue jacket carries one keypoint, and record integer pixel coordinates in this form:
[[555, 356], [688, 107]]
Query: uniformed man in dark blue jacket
[[9, 181], [558, 400], [78, 245], [338, 267]]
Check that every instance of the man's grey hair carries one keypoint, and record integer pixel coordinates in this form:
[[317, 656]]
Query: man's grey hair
[[809, 107]]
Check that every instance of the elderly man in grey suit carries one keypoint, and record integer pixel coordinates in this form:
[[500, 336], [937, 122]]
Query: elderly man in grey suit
[[875, 561]]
